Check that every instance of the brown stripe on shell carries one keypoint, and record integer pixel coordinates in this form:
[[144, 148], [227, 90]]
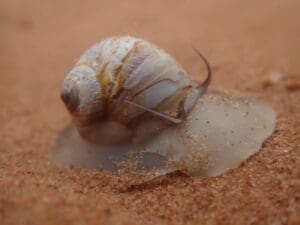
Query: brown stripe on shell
[[118, 82], [134, 50], [103, 79], [118, 75]]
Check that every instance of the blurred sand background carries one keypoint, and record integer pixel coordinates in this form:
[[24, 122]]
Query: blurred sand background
[[254, 49]]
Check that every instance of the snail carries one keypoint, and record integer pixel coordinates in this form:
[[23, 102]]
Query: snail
[[125, 88], [132, 102]]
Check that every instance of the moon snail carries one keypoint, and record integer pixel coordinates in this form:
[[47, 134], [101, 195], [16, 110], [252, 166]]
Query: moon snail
[[126, 95]]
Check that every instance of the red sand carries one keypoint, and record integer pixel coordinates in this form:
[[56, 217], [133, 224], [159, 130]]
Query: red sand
[[245, 41]]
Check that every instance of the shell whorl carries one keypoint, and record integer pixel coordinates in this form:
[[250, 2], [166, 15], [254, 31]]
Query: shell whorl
[[84, 87]]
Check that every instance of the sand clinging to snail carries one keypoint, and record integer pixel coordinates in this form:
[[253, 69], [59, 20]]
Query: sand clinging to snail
[[132, 103]]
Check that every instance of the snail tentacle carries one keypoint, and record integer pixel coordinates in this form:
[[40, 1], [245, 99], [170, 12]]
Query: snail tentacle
[[203, 86]]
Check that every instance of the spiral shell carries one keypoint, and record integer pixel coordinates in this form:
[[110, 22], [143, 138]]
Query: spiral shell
[[122, 83]]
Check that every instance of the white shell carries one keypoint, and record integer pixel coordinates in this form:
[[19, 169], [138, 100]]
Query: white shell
[[122, 69]]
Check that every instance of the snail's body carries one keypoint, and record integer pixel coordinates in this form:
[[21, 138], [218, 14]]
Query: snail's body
[[123, 84]]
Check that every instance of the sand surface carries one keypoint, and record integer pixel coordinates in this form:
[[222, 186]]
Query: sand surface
[[253, 47]]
